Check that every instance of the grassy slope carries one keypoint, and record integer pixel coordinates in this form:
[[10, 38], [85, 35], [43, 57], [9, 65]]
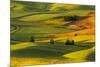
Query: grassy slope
[[27, 48], [80, 55], [39, 17], [64, 6], [22, 45], [82, 34], [42, 26], [44, 16], [38, 54]]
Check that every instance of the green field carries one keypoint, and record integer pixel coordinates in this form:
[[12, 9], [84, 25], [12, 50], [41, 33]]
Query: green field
[[30, 20]]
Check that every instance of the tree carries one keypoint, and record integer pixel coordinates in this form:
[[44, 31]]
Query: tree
[[72, 42], [75, 34], [32, 39], [66, 18], [51, 41], [72, 18], [67, 42]]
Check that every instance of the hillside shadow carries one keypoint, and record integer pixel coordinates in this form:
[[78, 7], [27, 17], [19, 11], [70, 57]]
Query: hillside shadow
[[91, 56], [46, 51]]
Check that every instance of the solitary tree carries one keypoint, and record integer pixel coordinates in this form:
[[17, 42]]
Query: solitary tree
[[51, 41], [67, 42], [72, 42], [32, 39], [75, 34]]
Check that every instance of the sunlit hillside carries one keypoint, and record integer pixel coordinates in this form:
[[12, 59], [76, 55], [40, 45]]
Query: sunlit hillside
[[51, 33]]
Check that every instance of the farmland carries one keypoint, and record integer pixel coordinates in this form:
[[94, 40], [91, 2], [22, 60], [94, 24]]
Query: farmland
[[39, 33]]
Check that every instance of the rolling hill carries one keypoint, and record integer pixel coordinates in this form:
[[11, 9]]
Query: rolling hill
[[45, 21], [80, 55]]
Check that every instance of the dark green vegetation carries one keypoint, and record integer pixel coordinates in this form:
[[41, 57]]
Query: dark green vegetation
[[48, 50]]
